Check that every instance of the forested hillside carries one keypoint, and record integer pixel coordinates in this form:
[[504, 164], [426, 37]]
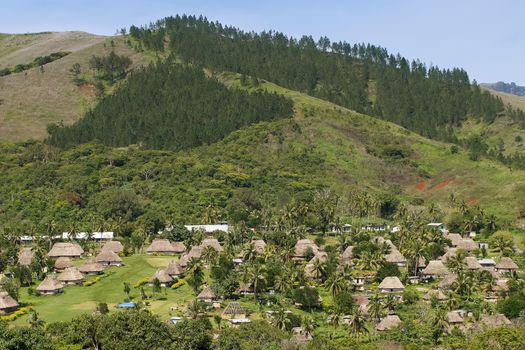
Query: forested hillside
[[170, 106], [365, 78]]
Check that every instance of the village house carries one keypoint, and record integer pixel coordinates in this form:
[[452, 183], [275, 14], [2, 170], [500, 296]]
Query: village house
[[8, 305], [109, 258], [506, 265], [300, 335], [436, 294], [346, 257], [91, 268], [454, 238], [437, 226], [195, 252], [62, 263], [25, 257], [259, 245], [163, 277], [448, 280], [389, 322], [434, 269], [493, 321], [174, 269], [207, 295], [50, 285], [303, 246], [487, 263], [391, 285], [71, 276], [467, 244], [472, 263], [454, 319], [395, 257], [65, 249], [114, 246], [234, 311], [212, 242], [208, 228], [97, 236], [161, 246]]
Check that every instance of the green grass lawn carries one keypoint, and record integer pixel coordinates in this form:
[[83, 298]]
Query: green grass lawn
[[77, 300]]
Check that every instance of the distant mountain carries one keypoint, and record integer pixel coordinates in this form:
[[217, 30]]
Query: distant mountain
[[511, 88]]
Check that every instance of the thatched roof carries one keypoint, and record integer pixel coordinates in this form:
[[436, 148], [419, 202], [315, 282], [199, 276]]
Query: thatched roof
[[388, 322], [435, 268], [71, 274], [507, 264], [68, 249], [114, 246], [212, 242], [90, 267], [207, 294], [361, 299], [434, 293], [302, 246], [195, 252], [493, 321], [395, 257], [174, 268], [179, 247], [50, 284], [259, 245], [25, 256], [162, 276], [245, 288], [454, 317], [108, 256], [391, 282], [421, 262], [309, 269], [454, 238], [348, 254], [6, 301], [448, 254], [467, 244], [160, 246], [63, 263], [472, 263], [321, 256], [234, 308], [448, 280], [501, 285]]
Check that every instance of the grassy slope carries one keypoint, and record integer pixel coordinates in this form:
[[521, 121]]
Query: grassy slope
[[32, 99]]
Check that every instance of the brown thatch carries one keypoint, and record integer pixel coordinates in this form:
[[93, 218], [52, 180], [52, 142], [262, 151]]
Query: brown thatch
[[453, 317], [454, 238], [391, 284], [259, 245], [207, 294], [245, 288], [234, 309], [467, 244], [437, 293], [395, 257], [346, 257], [212, 242], [63, 263], [174, 269], [179, 247], [162, 276], [506, 264], [108, 257], [321, 256], [7, 303], [25, 256], [91, 267], [389, 322], [162, 246], [435, 268], [195, 252], [448, 254], [472, 263], [71, 275], [421, 262], [493, 321], [114, 246], [50, 285], [301, 247], [501, 285], [448, 280], [66, 249]]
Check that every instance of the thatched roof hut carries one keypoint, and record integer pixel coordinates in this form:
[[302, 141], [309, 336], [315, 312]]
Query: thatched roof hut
[[212, 242], [234, 310], [346, 257], [435, 268], [395, 257], [71, 275], [7, 303], [160, 246], [207, 294], [259, 245], [91, 268], [501, 285], [65, 249], [25, 256], [179, 247], [108, 257], [195, 252], [302, 246], [493, 321], [506, 265], [467, 244], [389, 322], [50, 285], [434, 293], [163, 277], [448, 280], [472, 263], [449, 254], [453, 317], [245, 288], [454, 238], [63, 263], [174, 269], [114, 246], [391, 284]]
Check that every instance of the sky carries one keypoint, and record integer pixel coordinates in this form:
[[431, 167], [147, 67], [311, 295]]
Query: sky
[[484, 37]]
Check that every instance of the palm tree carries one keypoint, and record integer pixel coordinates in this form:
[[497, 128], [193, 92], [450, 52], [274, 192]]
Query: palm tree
[[318, 269], [256, 276], [376, 309], [195, 309], [280, 319], [457, 262], [452, 302], [357, 323], [336, 284], [370, 261], [308, 325], [283, 282], [504, 245], [249, 252], [336, 318], [440, 320], [491, 223], [209, 254], [390, 303], [196, 273]]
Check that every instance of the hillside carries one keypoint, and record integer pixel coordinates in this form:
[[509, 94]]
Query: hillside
[[509, 88], [32, 99]]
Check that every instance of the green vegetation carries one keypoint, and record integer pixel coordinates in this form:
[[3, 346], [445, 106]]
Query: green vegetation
[[37, 62]]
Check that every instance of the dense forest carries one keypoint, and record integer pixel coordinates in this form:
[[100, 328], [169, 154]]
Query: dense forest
[[365, 78], [170, 106], [510, 88]]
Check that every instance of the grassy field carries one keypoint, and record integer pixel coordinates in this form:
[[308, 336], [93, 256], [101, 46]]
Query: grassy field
[[32, 99]]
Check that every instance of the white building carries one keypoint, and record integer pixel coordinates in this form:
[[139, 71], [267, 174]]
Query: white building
[[208, 228], [98, 236]]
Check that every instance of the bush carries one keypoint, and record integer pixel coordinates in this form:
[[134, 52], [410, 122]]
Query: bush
[[178, 284], [20, 312], [344, 302], [410, 296], [386, 270], [141, 282], [307, 297], [513, 305], [91, 282]]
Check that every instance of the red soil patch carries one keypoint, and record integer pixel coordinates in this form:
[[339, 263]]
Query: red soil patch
[[422, 186], [87, 89], [473, 200], [442, 185]]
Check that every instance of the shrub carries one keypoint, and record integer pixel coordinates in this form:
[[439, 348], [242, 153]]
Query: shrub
[[141, 282], [20, 312], [91, 282], [178, 284]]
